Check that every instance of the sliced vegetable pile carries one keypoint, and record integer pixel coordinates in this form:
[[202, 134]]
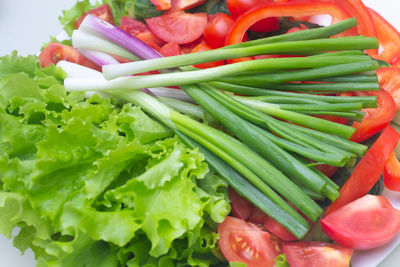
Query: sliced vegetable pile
[[273, 103]]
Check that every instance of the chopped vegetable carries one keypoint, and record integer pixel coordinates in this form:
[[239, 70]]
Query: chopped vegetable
[[391, 173], [316, 254], [368, 170], [365, 223]]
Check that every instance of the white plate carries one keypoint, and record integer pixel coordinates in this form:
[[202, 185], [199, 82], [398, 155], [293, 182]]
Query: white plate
[[26, 25]]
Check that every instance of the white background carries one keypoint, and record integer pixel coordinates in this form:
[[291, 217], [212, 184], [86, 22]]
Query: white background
[[26, 24]]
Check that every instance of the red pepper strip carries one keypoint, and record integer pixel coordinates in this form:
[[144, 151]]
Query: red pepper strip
[[391, 174], [368, 170], [285, 9], [388, 37], [375, 119], [357, 9]]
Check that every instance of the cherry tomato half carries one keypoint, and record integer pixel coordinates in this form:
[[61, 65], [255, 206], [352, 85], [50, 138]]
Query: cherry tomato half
[[365, 223], [217, 29], [240, 207], [178, 26], [241, 241], [316, 254]]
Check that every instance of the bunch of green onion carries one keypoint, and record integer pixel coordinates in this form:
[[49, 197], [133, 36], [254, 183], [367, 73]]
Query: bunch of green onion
[[269, 145]]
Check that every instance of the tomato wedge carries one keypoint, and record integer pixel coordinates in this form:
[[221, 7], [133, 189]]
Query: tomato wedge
[[171, 49], [179, 26], [241, 241], [375, 119], [388, 37], [285, 9], [391, 173], [316, 254], [103, 12], [240, 207], [365, 223], [389, 80], [368, 170], [55, 52]]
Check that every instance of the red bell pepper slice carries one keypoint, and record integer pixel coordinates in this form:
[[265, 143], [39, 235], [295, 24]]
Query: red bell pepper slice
[[357, 9], [388, 37], [285, 9], [375, 119], [368, 170], [391, 173], [389, 80]]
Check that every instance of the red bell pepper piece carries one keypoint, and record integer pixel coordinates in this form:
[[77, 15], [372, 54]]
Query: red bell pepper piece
[[368, 170], [285, 9], [388, 37], [391, 173], [375, 119]]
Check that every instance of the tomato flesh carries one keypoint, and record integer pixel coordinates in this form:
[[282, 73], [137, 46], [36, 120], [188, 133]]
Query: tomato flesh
[[375, 119], [171, 49], [365, 223], [241, 241], [368, 170], [103, 12], [179, 26], [316, 254], [391, 173], [55, 52], [162, 4], [217, 29]]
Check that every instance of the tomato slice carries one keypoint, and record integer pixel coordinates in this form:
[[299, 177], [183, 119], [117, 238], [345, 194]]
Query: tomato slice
[[388, 37], [389, 80], [241, 241], [204, 47], [103, 12], [391, 173], [217, 29], [368, 170], [316, 254], [171, 49], [178, 26], [55, 52], [185, 4], [240, 207], [365, 223], [375, 119], [285, 9], [133, 26]]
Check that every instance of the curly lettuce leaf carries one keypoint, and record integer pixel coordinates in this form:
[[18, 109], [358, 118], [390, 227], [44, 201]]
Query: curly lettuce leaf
[[71, 15], [97, 183]]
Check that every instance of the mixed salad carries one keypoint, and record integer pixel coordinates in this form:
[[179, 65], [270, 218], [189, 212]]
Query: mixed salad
[[203, 133]]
